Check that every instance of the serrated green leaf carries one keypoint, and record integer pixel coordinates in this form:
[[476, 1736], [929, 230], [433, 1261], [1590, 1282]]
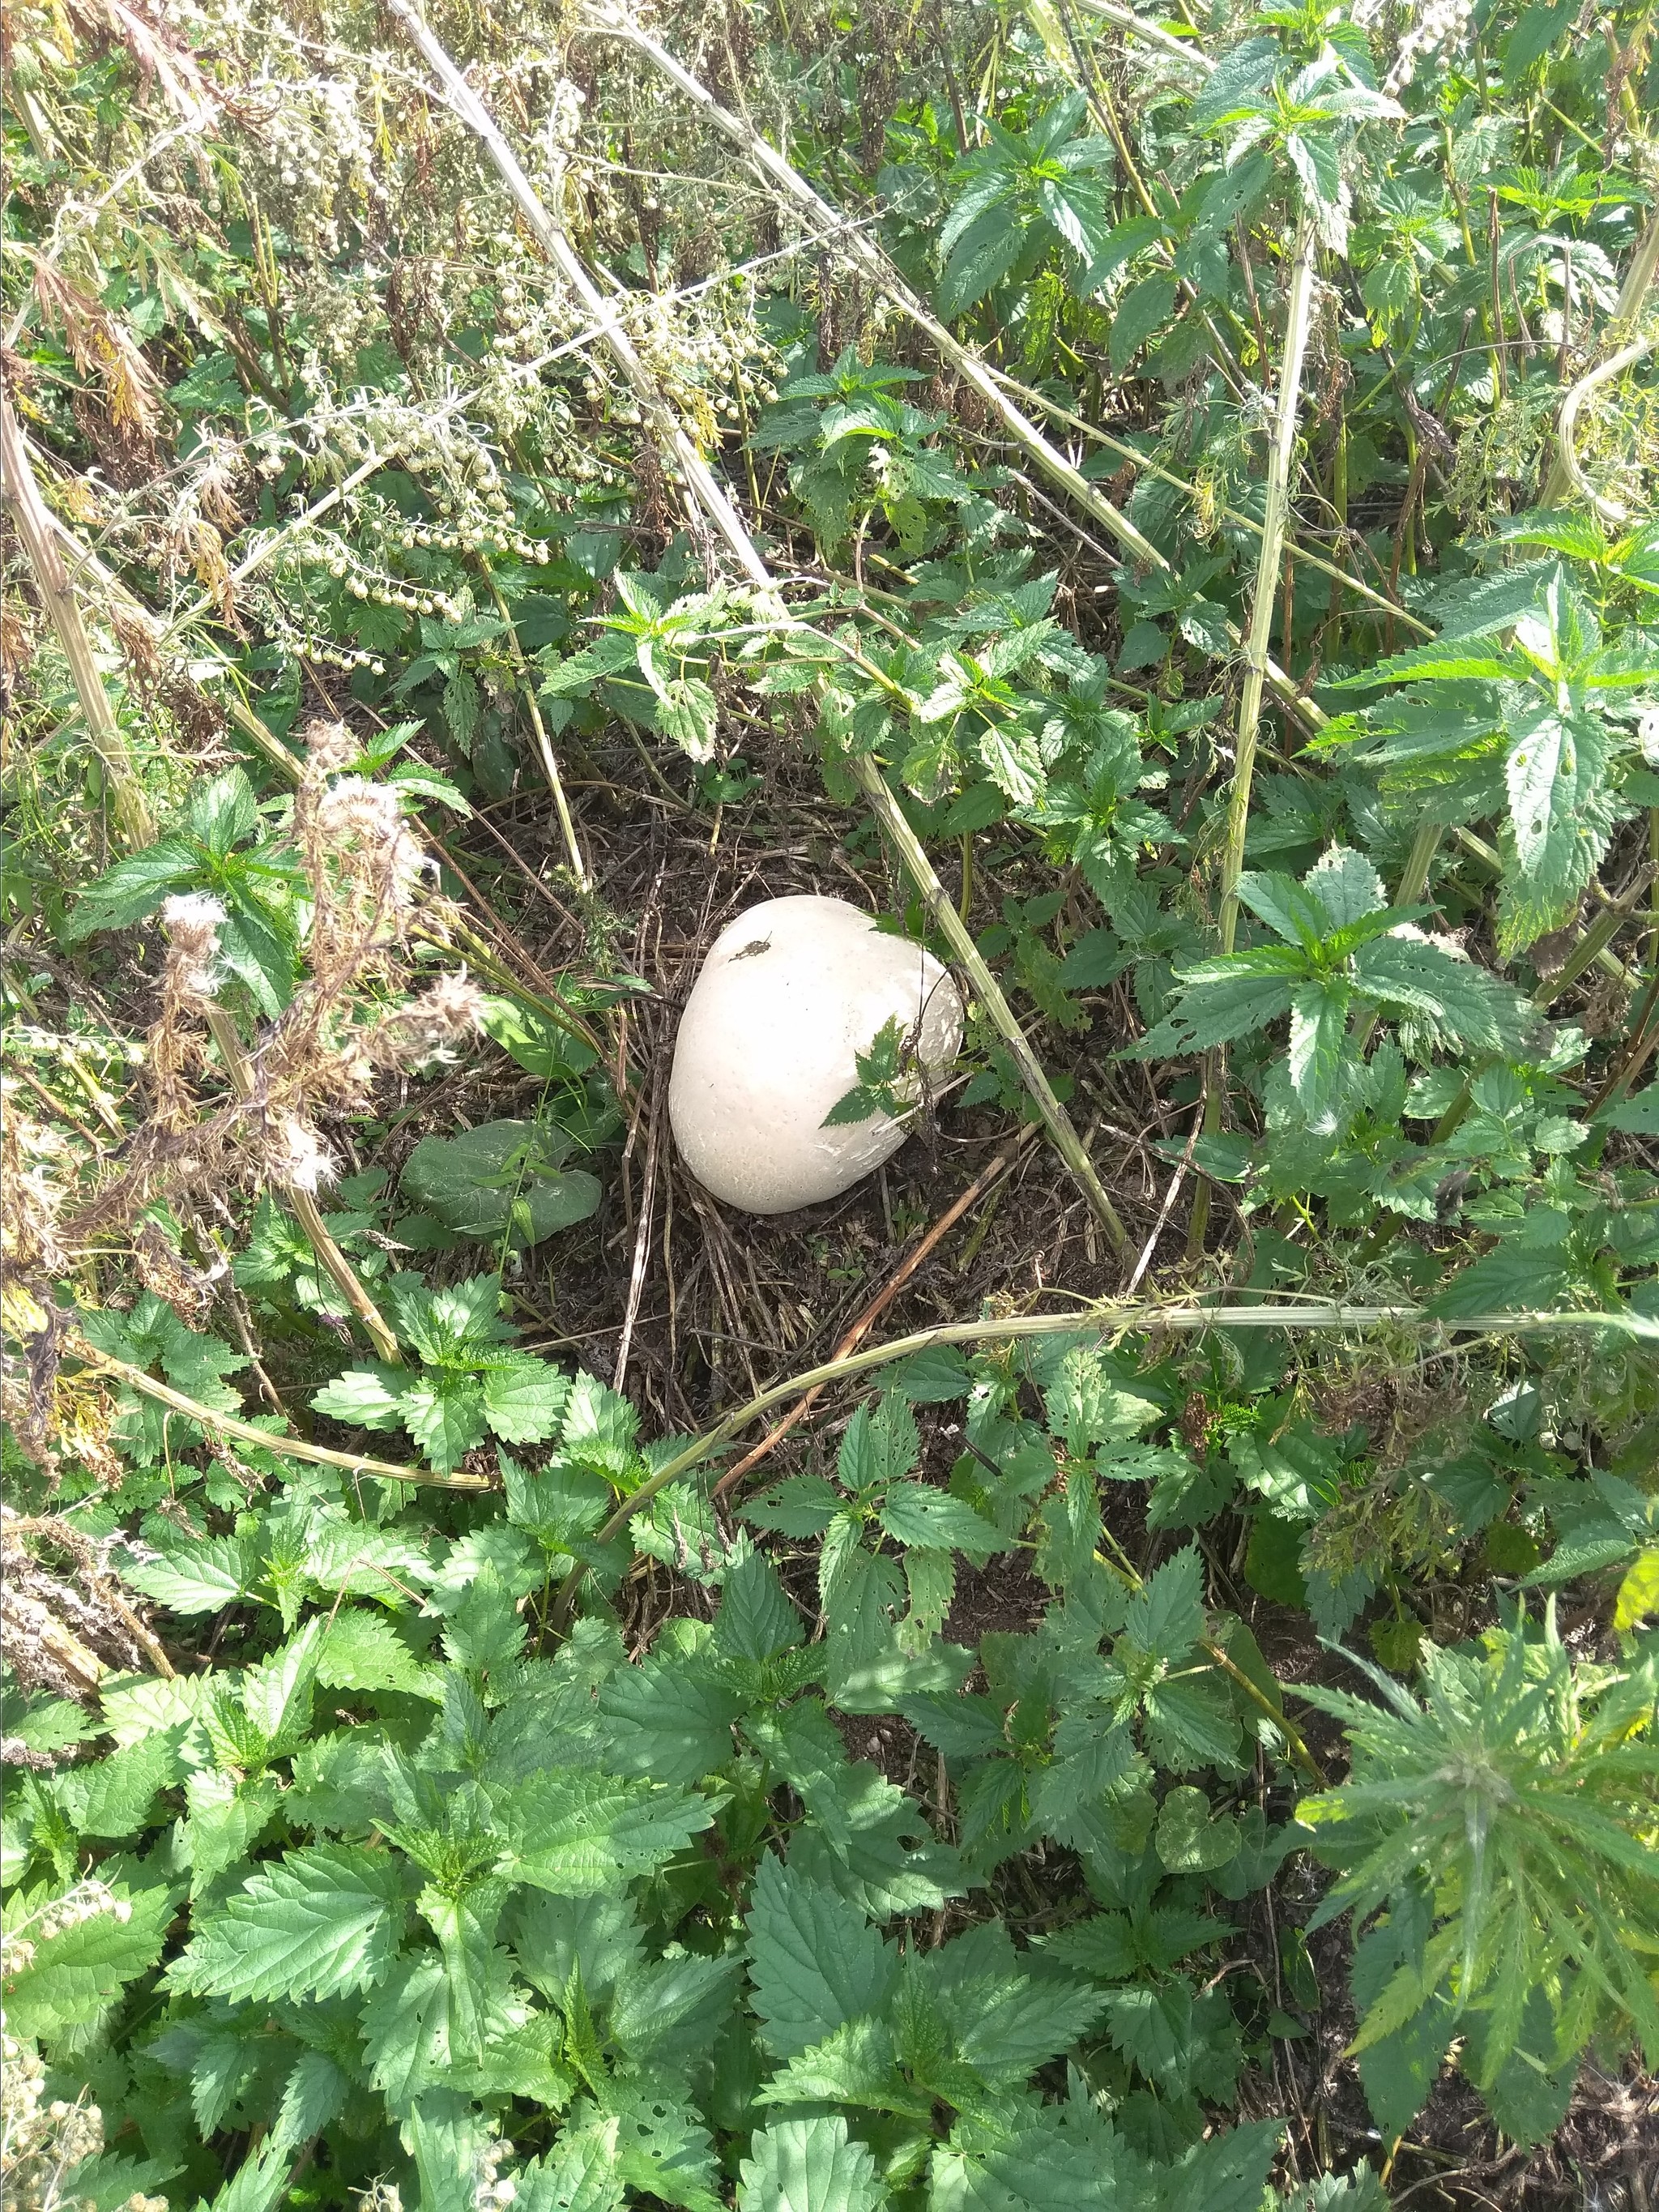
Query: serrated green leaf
[[76, 1975], [324, 1922], [133, 888], [755, 1619], [916, 1513], [576, 1835], [1142, 311], [362, 1651], [1165, 1617], [1318, 1055], [1188, 1841], [662, 2150], [114, 1796], [524, 1400], [800, 1505], [579, 2175], [228, 1816], [667, 1722], [369, 1398], [1638, 1594], [445, 1414], [813, 1959], [809, 2166]]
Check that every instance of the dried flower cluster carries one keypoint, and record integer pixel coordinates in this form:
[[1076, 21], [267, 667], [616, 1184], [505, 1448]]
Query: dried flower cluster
[[347, 1024], [31, 1195], [43, 2141], [60, 1631], [489, 2194], [1425, 28]]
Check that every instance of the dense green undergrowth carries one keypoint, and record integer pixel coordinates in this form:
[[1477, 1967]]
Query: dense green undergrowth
[[509, 1819]]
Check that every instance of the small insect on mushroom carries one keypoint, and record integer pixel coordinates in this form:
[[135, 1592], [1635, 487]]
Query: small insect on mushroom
[[769, 1049]]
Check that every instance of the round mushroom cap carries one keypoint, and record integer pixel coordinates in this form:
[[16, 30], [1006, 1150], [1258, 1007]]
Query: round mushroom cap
[[790, 993]]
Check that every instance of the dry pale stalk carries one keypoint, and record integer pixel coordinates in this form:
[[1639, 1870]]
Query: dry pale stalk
[[21, 497], [573, 850], [706, 490], [868, 257], [1153, 33], [1612, 511], [1276, 512], [1104, 1322], [62, 1631], [1632, 297], [956, 935], [227, 1424], [341, 1272]]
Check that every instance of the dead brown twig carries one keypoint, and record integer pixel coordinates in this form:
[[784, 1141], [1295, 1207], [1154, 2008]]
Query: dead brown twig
[[879, 1305]]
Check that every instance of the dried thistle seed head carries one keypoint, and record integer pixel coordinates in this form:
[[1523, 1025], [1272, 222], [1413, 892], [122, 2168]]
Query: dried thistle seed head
[[31, 1200], [215, 487], [360, 812], [296, 1156], [449, 1010], [430, 1027], [192, 920], [361, 825], [330, 745]]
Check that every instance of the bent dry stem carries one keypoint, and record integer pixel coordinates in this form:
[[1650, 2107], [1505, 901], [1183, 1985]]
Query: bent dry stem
[[1090, 1323], [228, 1425], [865, 255], [20, 495]]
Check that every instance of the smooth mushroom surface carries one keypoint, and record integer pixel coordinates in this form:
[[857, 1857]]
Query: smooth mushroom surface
[[791, 993]]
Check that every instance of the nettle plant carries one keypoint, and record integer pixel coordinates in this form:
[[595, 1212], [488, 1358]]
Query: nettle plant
[[407, 1889], [437, 1890], [470, 1381]]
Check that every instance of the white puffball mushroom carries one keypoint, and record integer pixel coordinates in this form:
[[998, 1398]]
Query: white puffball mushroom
[[791, 992]]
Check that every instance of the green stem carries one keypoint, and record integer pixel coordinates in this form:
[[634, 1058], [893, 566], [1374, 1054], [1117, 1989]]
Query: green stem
[[227, 1424], [1490, 860], [1298, 322], [543, 743], [1146, 466], [1600, 935], [972, 962], [1276, 509], [1111, 1317], [696, 478]]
